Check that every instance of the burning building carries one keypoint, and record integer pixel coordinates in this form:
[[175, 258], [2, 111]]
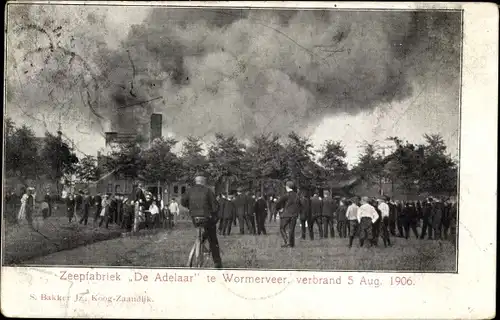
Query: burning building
[[113, 182]]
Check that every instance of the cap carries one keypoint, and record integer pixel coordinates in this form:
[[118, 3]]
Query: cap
[[290, 184]]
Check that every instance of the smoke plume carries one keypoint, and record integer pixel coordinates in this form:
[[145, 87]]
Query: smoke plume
[[248, 72]]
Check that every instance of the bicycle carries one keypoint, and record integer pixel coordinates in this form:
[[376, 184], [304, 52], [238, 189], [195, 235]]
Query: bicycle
[[200, 253]]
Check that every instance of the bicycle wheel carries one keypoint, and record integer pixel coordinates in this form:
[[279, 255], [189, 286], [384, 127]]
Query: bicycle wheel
[[200, 254], [191, 258]]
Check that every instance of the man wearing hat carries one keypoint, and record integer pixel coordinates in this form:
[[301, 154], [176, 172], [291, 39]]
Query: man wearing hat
[[290, 203], [352, 219], [200, 200], [85, 207], [329, 207], [383, 207], [240, 203], [342, 218], [260, 209], [250, 216], [316, 211]]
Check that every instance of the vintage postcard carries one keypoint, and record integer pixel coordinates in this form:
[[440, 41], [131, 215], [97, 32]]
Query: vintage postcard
[[249, 160]]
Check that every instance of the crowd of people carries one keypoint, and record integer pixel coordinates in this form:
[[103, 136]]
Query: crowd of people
[[328, 216], [128, 213], [324, 216]]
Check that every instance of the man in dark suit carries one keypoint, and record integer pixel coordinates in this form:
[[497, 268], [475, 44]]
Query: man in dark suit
[[305, 216], [290, 203], [260, 209], [98, 207], [48, 199], [392, 218], [316, 214], [329, 207], [241, 203], [342, 219], [250, 216], [221, 199], [201, 202], [228, 215], [85, 208], [426, 219], [78, 203], [400, 218], [410, 219], [437, 218]]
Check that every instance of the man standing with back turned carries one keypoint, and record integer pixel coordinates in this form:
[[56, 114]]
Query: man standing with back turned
[[290, 203], [200, 200]]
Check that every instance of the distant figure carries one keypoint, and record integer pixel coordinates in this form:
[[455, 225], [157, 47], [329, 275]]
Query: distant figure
[[367, 216], [173, 209], [98, 207], [305, 217], [384, 210], [328, 210], [85, 208], [352, 219], [250, 213], [45, 209], [316, 214], [105, 211], [260, 209], [342, 219], [437, 218], [228, 215], [155, 215], [290, 203], [70, 207], [271, 204], [48, 200], [241, 203], [400, 219], [27, 206], [410, 219], [78, 203], [426, 219]]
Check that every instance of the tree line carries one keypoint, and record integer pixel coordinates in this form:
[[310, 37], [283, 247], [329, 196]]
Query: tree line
[[265, 162]]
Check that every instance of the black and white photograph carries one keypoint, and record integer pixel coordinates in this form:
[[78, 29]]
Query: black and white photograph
[[232, 138]]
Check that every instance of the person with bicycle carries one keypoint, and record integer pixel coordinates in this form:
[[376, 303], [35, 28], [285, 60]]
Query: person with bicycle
[[203, 208]]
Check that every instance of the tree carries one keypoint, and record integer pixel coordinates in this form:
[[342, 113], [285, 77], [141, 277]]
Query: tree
[[265, 157], [438, 170], [333, 158], [58, 157], [298, 155], [370, 165], [126, 159], [21, 152], [225, 157], [159, 162], [87, 169], [192, 158], [404, 164]]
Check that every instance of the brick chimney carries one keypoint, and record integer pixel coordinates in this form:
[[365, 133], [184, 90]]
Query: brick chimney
[[156, 123]]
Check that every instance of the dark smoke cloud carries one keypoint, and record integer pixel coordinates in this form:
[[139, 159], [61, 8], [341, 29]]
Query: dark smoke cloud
[[254, 71], [247, 72]]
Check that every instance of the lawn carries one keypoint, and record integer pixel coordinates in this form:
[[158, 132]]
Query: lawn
[[170, 249]]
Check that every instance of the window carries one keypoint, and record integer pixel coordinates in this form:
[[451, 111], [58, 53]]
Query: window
[[176, 189], [110, 188], [117, 188], [183, 190]]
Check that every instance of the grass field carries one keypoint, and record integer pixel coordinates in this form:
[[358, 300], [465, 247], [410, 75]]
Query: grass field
[[170, 249]]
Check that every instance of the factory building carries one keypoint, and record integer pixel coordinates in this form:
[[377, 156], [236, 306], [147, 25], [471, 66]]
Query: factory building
[[115, 183]]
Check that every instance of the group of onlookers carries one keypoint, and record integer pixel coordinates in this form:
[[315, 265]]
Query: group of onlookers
[[329, 215], [142, 209]]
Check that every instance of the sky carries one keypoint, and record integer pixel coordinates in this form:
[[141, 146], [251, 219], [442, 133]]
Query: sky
[[354, 76]]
